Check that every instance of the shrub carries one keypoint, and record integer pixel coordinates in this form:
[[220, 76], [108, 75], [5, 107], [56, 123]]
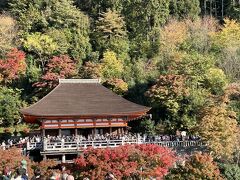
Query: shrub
[[144, 160]]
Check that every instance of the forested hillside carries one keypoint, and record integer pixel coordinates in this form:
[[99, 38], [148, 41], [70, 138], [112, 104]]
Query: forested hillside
[[182, 58], [179, 57]]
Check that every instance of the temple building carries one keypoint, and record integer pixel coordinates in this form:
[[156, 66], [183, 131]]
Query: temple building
[[82, 107]]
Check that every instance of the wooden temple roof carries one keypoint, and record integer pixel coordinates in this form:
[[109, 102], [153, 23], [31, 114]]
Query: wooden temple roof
[[82, 97]]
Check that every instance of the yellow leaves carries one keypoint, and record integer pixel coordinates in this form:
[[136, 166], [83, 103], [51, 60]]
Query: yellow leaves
[[40, 44], [229, 36], [6, 21], [111, 24], [7, 33], [111, 67], [117, 85], [232, 28], [173, 34], [219, 130]]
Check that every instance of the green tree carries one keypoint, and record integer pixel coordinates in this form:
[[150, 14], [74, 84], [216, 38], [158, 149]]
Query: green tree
[[176, 101], [111, 34], [61, 37], [41, 45], [43, 16], [227, 48], [233, 9], [3, 5], [216, 80], [111, 67], [230, 171], [93, 8], [143, 19], [142, 16], [10, 104], [185, 8]]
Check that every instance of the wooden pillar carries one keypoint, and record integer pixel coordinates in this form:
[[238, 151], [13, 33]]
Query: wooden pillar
[[43, 129], [93, 132], [76, 130], [110, 130], [94, 129], [59, 128]]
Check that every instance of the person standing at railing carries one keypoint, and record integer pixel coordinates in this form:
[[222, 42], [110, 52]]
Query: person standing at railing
[[62, 142], [3, 145], [183, 135]]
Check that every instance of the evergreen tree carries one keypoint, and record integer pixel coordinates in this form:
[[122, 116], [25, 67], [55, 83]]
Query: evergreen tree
[[143, 19], [185, 8], [111, 34]]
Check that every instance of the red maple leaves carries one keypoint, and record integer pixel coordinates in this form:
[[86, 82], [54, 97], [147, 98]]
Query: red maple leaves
[[12, 66], [126, 161], [58, 67]]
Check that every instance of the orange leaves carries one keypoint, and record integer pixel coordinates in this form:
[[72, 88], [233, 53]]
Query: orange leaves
[[168, 87], [91, 70], [12, 158], [126, 161], [198, 166], [12, 66]]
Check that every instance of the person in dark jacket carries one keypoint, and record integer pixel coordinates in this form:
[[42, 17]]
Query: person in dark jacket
[[37, 174]]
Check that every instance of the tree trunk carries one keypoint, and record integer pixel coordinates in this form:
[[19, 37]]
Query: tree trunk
[[210, 11], [222, 9], [215, 4], [205, 7]]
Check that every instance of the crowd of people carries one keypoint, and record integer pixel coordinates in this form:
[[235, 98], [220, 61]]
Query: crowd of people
[[181, 136], [17, 141], [171, 138], [21, 174], [125, 137]]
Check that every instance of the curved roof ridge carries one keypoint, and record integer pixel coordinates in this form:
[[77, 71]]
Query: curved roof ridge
[[79, 81]]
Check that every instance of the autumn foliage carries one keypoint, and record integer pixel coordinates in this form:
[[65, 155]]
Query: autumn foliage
[[58, 67], [125, 161], [12, 66], [219, 128], [116, 85], [11, 159], [168, 91], [198, 166]]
